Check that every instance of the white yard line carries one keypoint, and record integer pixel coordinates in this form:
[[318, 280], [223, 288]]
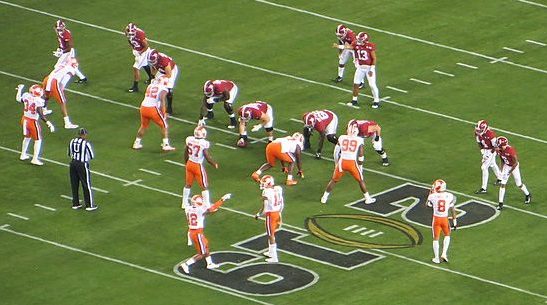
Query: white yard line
[[444, 73], [135, 182], [396, 89], [130, 265], [4, 226], [99, 190], [350, 106], [225, 146], [431, 43], [470, 66], [149, 171], [533, 3], [420, 81], [175, 163], [18, 216], [513, 50], [498, 60], [280, 130], [536, 42], [68, 197], [45, 207], [259, 140], [296, 120]]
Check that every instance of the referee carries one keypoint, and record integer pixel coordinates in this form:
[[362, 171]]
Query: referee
[[81, 152]]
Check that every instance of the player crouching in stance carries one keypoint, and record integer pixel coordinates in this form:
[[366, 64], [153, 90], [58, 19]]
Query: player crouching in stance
[[272, 196], [34, 102], [325, 122], [349, 157], [442, 203], [286, 150], [153, 108], [511, 166], [215, 91], [260, 111], [372, 130], [195, 214]]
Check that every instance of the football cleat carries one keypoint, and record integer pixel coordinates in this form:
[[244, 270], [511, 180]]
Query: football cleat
[[185, 268], [24, 157], [480, 191], [37, 162], [436, 260], [46, 111], [528, 199], [385, 162], [352, 103], [133, 89], [324, 199], [318, 156], [255, 176], [93, 208], [444, 259], [231, 126], [212, 266], [370, 200], [271, 260], [81, 81], [375, 105], [291, 182], [267, 254], [137, 146], [167, 147], [70, 126], [338, 79], [361, 85], [77, 206], [500, 206]]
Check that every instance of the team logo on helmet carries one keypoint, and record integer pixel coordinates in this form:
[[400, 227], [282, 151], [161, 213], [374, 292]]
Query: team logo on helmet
[[60, 26], [482, 127], [341, 31], [200, 132], [438, 186], [208, 88], [153, 57], [131, 30], [362, 37], [267, 182], [36, 90], [501, 142]]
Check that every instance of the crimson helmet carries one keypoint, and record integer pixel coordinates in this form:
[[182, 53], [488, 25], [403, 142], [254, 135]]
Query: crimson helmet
[[208, 88], [131, 30], [153, 57], [501, 142], [362, 37], [341, 31], [482, 127], [60, 26], [309, 119]]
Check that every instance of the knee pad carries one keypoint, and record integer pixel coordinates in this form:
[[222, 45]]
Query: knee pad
[[228, 108], [332, 138]]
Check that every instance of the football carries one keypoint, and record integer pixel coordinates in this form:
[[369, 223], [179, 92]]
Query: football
[[241, 143]]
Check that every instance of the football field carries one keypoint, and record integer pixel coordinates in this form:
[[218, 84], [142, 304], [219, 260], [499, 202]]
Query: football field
[[441, 67]]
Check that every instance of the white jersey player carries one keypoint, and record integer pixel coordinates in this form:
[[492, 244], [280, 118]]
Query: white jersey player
[[273, 203], [442, 203]]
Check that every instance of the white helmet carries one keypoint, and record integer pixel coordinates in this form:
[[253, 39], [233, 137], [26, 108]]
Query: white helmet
[[200, 132], [266, 182], [438, 186], [297, 136], [196, 200], [36, 90]]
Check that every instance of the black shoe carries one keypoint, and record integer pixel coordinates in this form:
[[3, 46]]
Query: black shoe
[[361, 85], [375, 105], [528, 199], [169, 110], [497, 183], [81, 81], [317, 155], [500, 206], [385, 162], [337, 79], [77, 206], [133, 89], [352, 103], [480, 191]]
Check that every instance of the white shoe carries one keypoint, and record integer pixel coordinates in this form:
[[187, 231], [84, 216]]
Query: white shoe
[[185, 268], [24, 157], [444, 259], [267, 254], [70, 126], [137, 145], [167, 147], [436, 260], [369, 201], [212, 266], [37, 162], [231, 126], [46, 111], [271, 260], [93, 208], [324, 199]]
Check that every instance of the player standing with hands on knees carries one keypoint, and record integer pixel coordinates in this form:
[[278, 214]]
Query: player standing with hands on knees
[[442, 203], [272, 197]]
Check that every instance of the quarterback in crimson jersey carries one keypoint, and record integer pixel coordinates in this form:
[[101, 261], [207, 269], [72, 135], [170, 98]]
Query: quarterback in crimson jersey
[[486, 139], [136, 38], [364, 53], [508, 156], [346, 41], [66, 50], [372, 130], [215, 91], [34, 102], [325, 122]]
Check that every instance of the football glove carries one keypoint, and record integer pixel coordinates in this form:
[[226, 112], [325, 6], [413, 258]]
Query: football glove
[[50, 126], [20, 87], [256, 127], [57, 53], [226, 196]]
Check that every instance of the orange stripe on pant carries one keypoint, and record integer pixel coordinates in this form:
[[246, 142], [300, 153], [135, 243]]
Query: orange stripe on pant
[[56, 92], [199, 240], [154, 114], [440, 223], [273, 153], [273, 221], [196, 172], [349, 166], [31, 128]]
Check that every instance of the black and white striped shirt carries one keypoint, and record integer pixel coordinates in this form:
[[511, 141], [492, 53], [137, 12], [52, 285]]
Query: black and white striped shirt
[[80, 149]]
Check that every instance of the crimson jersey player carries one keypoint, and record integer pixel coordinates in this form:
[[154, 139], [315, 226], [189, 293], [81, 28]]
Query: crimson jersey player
[[325, 122], [215, 91], [346, 41], [65, 52], [510, 167], [371, 129], [136, 38], [260, 111], [486, 139], [164, 66]]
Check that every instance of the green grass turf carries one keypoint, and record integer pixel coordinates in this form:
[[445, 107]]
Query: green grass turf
[[144, 226]]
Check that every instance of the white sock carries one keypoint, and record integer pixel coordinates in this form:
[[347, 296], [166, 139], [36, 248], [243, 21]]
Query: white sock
[[367, 196], [446, 243], [209, 260], [375, 93], [165, 141], [79, 74], [289, 177], [67, 120], [384, 155], [326, 195], [190, 261], [436, 249], [272, 250], [37, 146], [341, 71], [205, 195], [354, 98], [24, 147], [501, 194], [185, 196], [259, 172], [524, 189], [189, 239], [484, 178]]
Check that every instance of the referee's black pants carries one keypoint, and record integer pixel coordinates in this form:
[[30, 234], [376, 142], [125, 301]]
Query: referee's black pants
[[80, 173]]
